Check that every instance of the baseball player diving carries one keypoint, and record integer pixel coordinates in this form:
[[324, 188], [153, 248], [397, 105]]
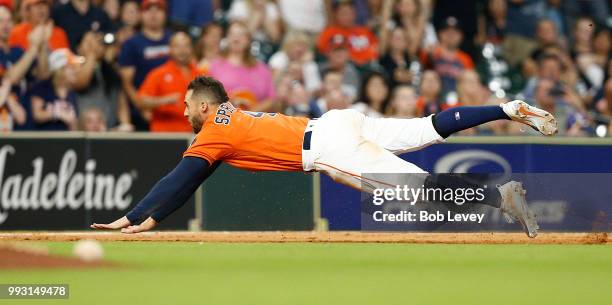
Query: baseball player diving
[[343, 144]]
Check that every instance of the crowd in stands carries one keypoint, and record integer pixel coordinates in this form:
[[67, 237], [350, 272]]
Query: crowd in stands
[[124, 65]]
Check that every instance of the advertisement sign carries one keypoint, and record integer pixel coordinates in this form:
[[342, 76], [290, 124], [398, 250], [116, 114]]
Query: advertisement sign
[[66, 183]]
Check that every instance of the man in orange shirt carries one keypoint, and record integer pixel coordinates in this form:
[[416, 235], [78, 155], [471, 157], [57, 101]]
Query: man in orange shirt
[[163, 90], [343, 144], [38, 12], [363, 45]]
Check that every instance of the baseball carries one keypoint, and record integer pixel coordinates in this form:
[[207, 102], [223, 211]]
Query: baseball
[[88, 250]]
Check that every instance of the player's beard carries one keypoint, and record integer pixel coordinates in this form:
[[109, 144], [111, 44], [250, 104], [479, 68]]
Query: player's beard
[[196, 123]]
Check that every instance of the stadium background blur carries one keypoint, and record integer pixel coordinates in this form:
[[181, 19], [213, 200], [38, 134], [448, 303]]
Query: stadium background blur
[[123, 66]]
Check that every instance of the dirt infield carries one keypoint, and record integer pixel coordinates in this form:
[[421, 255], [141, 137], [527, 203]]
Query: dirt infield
[[18, 257], [318, 237]]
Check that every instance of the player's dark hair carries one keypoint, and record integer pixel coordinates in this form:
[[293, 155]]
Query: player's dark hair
[[363, 92], [210, 87]]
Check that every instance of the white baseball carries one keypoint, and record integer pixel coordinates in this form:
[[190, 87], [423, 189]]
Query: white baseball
[[88, 250]]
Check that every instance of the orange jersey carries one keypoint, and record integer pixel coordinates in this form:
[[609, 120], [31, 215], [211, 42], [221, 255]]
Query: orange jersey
[[363, 44], [162, 81], [19, 37], [255, 141]]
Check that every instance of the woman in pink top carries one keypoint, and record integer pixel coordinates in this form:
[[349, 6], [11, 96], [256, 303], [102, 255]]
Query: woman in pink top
[[242, 74]]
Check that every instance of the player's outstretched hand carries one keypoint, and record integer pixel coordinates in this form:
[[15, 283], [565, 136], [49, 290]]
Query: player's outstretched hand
[[117, 224], [146, 225]]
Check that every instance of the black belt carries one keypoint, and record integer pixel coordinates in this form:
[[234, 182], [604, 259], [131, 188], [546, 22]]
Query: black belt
[[308, 135], [306, 142]]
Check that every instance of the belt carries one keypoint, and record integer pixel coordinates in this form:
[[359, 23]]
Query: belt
[[308, 135], [308, 155]]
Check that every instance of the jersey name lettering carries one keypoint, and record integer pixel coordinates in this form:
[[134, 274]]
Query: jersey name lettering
[[224, 114]]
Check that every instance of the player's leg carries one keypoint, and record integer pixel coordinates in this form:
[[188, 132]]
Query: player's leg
[[340, 149], [405, 135], [460, 118]]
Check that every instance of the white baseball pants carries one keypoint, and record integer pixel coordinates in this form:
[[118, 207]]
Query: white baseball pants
[[345, 144]]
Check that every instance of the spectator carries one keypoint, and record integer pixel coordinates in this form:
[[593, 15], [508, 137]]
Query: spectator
[[297, 50], [373, 96], [466, 13], [304, 16], [209, 46], [602, 46], [603, 109], [471, 92], [142, 53], [53, 101], [551, 68], [11, 111], [332, 95], [582, 36], [447, 59], [492, 26], [429, 100], [90, 18], [164, 88], [403, 104], [338, 59], [8, 55], [92, 120], [14, 63], [368, 13], [555, 101], [598, 10], [240, 72], [38, 13], [112, 8], [548, 40], [192, 13], [263, 22], [98, 82], [295, 97], [546, 37], [401, 66], [412, 16], [553, 13], [523, 16], [590, 68], [362, 43], [129, 21]]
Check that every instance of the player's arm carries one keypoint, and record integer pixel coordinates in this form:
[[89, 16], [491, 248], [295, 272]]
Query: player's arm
[[169, 194]]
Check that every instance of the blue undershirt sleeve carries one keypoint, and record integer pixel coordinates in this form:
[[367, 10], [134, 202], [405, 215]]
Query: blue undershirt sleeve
[[172, 191]]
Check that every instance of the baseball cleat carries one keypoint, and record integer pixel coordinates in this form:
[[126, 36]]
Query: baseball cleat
[[538, 119], [515, 208]]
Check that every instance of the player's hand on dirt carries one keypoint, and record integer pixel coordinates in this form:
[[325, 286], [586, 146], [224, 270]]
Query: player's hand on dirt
[[146, 225], [117, 224]]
